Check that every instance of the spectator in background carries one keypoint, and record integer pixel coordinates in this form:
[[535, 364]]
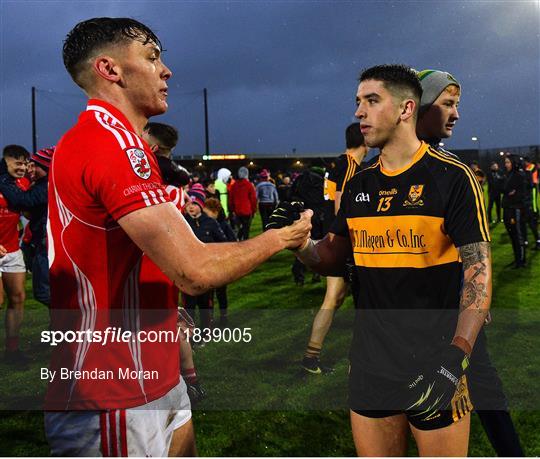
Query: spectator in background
[[309, 188], [207, 230], [223, 177], [479, 173], [209, 185], [243, 202], [513, 203], [495, 181], [284, 188], [531, 200], [12, 267], [34, 201], [162, 139], [212, 208], [267, 196]]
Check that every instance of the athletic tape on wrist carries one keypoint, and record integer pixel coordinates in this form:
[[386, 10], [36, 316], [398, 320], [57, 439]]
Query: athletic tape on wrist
[[309, 255]]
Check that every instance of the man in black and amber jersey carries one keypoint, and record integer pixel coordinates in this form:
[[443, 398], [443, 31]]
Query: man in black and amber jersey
[[415, 224], [438, 116], [336, 289]]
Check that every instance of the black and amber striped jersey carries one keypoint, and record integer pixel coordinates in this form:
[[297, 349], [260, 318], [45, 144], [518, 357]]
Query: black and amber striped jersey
[[336, 178], [405, 227]]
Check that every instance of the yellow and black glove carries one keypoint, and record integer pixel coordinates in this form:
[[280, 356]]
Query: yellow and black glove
[[285, 214], [432, 390]]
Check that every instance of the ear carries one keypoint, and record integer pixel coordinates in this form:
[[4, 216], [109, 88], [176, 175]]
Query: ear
[[154, 147], [106, 67], [408, 108]]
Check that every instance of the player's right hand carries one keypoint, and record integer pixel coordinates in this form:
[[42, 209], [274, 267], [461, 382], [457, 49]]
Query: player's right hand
[[3, 251], [285, 214], [295, 236]]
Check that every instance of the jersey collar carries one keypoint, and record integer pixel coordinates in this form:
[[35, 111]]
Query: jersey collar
[[115, 115], [418, 155]]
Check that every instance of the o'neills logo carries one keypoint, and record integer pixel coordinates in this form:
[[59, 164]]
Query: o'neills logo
[[391, 192], [416, 381], [443, 371], [139, 162]]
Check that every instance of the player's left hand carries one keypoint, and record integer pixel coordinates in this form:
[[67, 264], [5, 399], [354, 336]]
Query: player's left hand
[[3, 251], [432, 390]]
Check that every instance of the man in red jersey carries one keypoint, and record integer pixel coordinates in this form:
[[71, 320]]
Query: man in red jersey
[[12, 267], [107, 205]]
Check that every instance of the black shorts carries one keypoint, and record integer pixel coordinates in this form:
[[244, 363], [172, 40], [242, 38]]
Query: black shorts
[[376, 397]]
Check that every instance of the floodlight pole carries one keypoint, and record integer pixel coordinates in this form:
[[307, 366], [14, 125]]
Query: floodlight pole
[[207, 143], [34, 133]]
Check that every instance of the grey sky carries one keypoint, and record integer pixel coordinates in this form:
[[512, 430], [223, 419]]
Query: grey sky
[[282, 75]]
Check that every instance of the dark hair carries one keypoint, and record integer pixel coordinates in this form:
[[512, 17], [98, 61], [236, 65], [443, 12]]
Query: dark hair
[[88, 36], [353, 136], [15, 151], [166, 135], [208, 181], [171, 173], [401, 80]]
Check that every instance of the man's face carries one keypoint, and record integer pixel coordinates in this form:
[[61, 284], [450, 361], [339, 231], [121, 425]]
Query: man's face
[[508, 164], [439, 120], [193, 210], [16, 167], [377, 111], [494, 167], [144, 77], [211, 188]]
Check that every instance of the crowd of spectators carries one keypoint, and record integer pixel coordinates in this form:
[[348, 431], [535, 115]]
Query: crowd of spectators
[[220, 207]]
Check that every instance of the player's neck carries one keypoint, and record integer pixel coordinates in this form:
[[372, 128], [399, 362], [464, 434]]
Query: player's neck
[[137, 120], [399, 151]]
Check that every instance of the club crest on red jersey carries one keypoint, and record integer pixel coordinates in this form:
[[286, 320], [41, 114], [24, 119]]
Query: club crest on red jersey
[[139, 162]]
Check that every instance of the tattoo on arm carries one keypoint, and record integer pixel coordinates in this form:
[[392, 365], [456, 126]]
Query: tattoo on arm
[[476, 260]]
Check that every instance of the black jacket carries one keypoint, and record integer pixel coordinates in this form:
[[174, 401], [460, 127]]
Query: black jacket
[[514, 190], [495, 181], [206, 229]]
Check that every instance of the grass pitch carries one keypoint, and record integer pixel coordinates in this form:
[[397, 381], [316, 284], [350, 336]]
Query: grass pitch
[[258, 402]]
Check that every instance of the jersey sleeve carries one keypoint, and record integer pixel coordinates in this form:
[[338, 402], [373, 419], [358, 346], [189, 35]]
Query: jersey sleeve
[[465, 218], [125, 180], [339, 225], [344, 170]]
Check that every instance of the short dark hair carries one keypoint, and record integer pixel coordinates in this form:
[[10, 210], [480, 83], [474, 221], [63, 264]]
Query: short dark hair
[[401, 80], [166, 135], [88, 36], [208, 181], [353, 136], [16, 152]]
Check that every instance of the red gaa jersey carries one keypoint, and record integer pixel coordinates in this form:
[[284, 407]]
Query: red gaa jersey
[[152, 278], [102, 171], [9, 220]]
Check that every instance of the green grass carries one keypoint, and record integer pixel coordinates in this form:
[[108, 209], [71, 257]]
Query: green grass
[[258, 402]]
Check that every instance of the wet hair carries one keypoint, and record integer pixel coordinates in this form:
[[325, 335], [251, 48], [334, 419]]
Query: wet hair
[[89, 36], [16, 152], [402, 81], [353, 136], [166, 135]]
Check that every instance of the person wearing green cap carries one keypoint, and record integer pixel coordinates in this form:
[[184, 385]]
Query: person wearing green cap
[[438, 116]]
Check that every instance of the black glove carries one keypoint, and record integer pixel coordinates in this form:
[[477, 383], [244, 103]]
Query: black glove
[[285, 214], [432, 390]]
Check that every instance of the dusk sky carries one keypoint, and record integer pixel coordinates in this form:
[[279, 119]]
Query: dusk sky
[[282, 75]]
